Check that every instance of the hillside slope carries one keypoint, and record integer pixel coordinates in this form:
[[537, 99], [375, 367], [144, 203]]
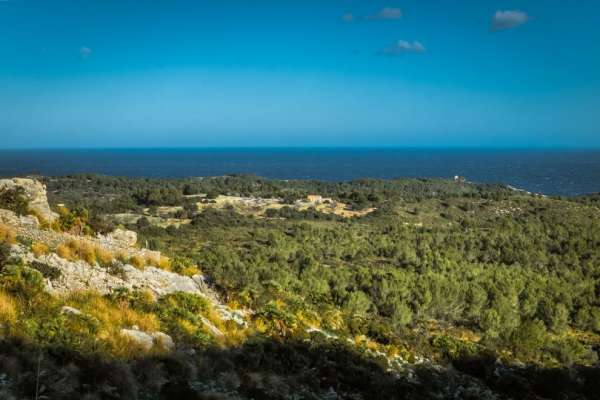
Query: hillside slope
[[442, 290]]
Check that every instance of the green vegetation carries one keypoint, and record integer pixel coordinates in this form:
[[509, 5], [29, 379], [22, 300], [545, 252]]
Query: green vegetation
[[14, 200], [492, 273], [116, 194], [501, 285]]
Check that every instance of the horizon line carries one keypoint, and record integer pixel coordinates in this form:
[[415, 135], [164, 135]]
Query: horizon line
[[292, 147]]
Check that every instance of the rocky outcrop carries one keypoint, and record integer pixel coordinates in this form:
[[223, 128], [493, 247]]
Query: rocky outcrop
[[35, 192], [79, 275], [26, 221]]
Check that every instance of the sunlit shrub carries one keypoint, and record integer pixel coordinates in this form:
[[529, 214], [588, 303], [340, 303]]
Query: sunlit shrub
[[164, 263], [182, 314], [74, 221], [184, 266]]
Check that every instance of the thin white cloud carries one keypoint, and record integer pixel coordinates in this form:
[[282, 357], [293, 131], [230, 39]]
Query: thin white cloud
[[508, 19], [403, 47], [85, 52], [385, 14], [348, 17]]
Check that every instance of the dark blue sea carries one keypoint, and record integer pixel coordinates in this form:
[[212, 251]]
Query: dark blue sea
[[552, 172]]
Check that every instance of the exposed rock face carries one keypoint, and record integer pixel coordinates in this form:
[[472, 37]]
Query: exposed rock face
[[10, 218], [36, 194], [79, 275]]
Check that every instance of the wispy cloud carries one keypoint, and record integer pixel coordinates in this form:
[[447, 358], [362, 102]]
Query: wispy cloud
[[385, 14], [85, 52], [508, 19], [348, 17], [403, 47]]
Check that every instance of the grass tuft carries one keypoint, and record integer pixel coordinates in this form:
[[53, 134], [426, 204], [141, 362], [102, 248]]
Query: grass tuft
[[7, 234], [8, 309], [39, 249]]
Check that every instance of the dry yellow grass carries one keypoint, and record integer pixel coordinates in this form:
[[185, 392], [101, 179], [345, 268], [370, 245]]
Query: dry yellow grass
[[186, 327], [104, 257], [150, 259], [121, 346], [332, 319], [118, 315], [137, 261], [7, 234], [164, 263], [190, 271], [65, 252], [308, 318], [161, 262], [39, 249], [233, 335], [8, 309], [122, 256], [86, 251], [112, 318]]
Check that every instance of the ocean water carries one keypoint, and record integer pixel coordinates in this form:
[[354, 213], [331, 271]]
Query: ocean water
[[553, 172]]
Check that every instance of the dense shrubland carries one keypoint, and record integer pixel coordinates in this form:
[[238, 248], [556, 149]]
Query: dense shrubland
[[452, 272], [116, 194], [525, 284]]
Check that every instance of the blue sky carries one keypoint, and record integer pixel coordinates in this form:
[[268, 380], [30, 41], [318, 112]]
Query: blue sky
[[437, 73]]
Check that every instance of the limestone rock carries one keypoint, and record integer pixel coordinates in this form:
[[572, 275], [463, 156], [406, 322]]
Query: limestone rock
[[227, 314], [142, 339], [36, 194], [70, 310], [163, 340], [121, 237], [148, 340], [10, 218], [79, 275]]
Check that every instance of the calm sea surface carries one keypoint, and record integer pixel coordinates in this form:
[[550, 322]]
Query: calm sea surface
[[556, 172]]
